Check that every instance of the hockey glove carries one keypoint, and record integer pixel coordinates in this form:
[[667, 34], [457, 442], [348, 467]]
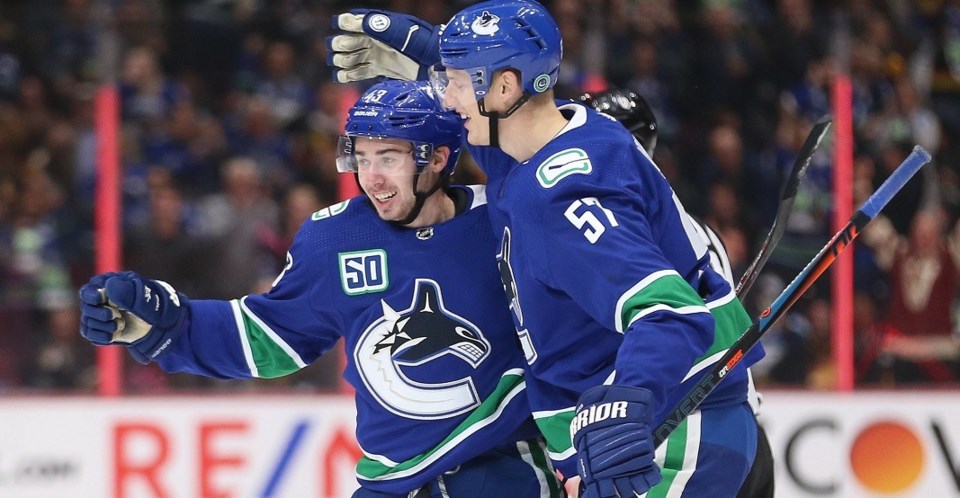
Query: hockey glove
[[612, 434], [123, 308], [382, 43]]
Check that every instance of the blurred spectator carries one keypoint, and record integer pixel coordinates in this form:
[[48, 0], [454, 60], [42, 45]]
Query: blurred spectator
[[727, 58], [166, 247], [727, 162], [299, 204], [318, 148], [798, 348], [232, 222], [62, 360], [281, 87], [257, 135], [648, 82], [918, 341], [31, 244], [581, 69], [800, 38], [809, 96], [146, 94]]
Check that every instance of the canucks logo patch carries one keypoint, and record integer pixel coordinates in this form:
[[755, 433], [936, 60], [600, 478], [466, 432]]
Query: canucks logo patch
[[485, 24], [563, 164], [399, 356], [333, 210]]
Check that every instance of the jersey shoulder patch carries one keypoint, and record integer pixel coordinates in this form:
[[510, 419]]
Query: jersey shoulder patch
[[572, 161], [330, 211]]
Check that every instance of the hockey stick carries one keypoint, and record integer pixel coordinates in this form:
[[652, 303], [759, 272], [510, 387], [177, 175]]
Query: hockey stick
[[804, 156], [816, 267]]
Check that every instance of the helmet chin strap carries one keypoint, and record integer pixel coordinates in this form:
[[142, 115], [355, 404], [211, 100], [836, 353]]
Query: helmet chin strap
[[495, 117], [421, 197]]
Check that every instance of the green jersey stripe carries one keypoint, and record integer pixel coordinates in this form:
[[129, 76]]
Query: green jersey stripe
[[271, 355], [731, 322], [372, 468], [672, 462], [555, 427], [679, 462], [662, 290]]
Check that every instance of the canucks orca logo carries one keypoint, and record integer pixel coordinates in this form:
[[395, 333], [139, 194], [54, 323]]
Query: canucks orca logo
[[416, 336], [506, 277], [486, 24]]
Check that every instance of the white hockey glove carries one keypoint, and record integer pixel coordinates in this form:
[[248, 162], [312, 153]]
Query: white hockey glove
[[382, 43]]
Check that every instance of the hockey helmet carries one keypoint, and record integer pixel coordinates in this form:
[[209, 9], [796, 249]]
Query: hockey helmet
[[504, 34], [405, 110]]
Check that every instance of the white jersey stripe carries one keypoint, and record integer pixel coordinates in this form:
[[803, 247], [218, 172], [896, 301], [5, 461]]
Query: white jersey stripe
[[642, 284], [452, 443], [683, 310], [690, 454], [559, 457], [244, 342], [551, 413], [704, 363], [272, 335], [523, 448]]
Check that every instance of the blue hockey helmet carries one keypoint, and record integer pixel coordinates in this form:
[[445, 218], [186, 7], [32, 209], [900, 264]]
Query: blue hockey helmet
[[404, 110], [504, 34]]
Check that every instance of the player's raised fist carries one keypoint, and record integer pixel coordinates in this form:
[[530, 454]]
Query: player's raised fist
[[125, 308]]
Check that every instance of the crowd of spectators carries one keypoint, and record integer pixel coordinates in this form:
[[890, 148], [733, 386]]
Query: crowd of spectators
[[229, 123]]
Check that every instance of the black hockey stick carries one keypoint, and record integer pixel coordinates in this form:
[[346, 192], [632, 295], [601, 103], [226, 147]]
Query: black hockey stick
[[816, 267], [804, 156]]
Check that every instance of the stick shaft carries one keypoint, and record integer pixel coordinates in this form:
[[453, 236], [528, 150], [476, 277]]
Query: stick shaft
[[790, 188], [816, 267]]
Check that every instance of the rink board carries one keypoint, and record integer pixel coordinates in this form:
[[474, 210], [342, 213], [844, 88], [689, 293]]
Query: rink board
[[862, 445]]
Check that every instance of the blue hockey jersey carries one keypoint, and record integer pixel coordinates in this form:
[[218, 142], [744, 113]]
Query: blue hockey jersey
[[431, 347], [607, 278]]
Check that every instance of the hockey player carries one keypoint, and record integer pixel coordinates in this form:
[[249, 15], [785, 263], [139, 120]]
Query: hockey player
[[613, 298], [431, 348], [632, 111]]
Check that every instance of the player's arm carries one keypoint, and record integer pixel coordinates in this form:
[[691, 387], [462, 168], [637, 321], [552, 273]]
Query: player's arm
[[265, 335], [613, 268], [377, 43]]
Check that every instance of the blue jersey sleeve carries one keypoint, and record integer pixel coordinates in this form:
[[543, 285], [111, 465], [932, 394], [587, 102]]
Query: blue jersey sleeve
[[604, 244], [264, 335]]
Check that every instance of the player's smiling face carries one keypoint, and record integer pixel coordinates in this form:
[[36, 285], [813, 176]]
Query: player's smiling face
[[386, 170], [459, 96]]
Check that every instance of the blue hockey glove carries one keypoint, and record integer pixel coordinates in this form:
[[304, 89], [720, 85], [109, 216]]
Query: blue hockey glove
[[124, 308], [612, 434], [382, 43]]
